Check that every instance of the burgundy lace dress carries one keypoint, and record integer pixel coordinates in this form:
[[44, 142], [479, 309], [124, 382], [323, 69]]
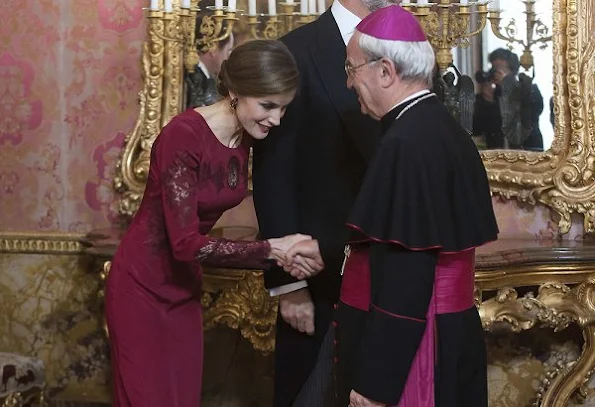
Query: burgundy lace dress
[[153, 307]]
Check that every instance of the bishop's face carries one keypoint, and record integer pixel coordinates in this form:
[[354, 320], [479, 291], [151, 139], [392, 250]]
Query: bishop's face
[[363, 77]]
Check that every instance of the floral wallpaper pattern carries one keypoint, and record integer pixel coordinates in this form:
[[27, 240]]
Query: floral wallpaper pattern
[[69, 79]]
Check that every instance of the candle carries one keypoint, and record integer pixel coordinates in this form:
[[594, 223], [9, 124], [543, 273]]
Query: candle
[[303, 7], [252, 7], [312, 6], [218, 3], [272, 7], [168, 6], [321, 6], [231, 5], [185, 3], [154, 5]]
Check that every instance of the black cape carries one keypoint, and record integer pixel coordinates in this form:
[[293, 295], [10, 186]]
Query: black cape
[[427, 186]]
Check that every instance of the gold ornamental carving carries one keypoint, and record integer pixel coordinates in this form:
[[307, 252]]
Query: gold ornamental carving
[[247, 307], [561, 177], [33, 398], [41, 242], [164, 55], [556, 305]]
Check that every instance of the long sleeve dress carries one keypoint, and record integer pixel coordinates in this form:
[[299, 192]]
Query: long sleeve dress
[[153, 307]]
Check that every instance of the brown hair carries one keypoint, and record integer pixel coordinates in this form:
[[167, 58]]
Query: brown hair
[[258, 68]]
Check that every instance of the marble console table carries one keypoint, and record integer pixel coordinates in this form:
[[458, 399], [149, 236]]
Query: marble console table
[[519, 283]]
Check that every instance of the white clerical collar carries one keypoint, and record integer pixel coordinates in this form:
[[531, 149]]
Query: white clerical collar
[[346, 20], [410, 97], [204, 69]]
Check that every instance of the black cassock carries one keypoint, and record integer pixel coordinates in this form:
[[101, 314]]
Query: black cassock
[[423, 208]]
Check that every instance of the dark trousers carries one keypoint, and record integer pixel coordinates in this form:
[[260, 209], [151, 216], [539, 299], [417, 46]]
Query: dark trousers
[[318, 388]]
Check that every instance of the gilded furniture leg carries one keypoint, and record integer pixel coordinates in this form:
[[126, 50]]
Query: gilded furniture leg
[[575, 376], [247, 307], [556, 306], [103, 275]]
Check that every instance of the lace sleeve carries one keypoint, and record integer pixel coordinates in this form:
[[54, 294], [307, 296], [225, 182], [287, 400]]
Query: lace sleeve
[[235, 254]]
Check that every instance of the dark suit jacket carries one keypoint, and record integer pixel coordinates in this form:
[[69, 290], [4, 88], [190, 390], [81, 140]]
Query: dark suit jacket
[[306, 175], [200, 90]]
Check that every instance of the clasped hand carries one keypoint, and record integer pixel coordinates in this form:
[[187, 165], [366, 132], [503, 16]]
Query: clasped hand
[[298, 254]]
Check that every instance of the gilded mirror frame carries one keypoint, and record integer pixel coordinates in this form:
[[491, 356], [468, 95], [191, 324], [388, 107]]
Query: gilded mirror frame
[[561, 177]]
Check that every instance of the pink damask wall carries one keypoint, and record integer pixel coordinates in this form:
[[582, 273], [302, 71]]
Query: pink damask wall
[[69, 78]]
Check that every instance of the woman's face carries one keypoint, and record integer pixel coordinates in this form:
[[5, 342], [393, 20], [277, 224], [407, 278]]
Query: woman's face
[[258, 115]]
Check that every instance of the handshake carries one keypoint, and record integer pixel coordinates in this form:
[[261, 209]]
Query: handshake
[[298, 254]]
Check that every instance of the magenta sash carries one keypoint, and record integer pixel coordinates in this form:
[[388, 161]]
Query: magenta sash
[[453, 292]]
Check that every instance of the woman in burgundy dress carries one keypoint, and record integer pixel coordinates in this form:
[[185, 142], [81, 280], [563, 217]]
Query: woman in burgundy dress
[[198, 169]]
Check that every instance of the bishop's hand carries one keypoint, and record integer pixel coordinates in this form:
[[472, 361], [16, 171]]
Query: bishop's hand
[[357, 400], [303, 259]]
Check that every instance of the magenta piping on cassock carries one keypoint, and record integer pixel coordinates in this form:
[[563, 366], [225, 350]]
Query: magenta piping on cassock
[[367, 238]]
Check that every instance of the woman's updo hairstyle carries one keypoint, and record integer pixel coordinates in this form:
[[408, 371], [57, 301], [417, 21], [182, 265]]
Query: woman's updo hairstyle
[[258, 68]]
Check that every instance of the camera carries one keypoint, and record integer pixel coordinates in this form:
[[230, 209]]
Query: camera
[[485, 76]]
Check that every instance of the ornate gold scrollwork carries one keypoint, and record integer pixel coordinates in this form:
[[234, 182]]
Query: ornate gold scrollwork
[[33, 398], [101, 293], [246, 307], [562, 177], [40, 242], [556, 305], [163, 58]]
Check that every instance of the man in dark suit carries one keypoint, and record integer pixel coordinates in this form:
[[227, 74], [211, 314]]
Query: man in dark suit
[[306, 176], [201, 85]]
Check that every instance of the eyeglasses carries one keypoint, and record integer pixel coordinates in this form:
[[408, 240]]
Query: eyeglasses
[[350, 69]]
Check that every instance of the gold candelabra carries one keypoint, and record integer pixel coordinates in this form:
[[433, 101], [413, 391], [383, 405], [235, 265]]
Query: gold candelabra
[[536, 32], [175, 23], [448, 24], [216, 27], [273, 26]]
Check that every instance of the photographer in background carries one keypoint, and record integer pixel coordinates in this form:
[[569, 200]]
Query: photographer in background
[[487, 122], [517, 100]]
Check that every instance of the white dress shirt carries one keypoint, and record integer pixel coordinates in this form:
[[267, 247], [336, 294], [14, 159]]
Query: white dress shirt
[[346, 21], [204, 69]]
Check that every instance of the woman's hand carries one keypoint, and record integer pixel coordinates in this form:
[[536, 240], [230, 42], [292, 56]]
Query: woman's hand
[[280, 246]]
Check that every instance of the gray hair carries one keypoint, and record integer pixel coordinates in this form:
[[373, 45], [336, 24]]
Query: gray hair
[[415, 61], [374, 5]]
